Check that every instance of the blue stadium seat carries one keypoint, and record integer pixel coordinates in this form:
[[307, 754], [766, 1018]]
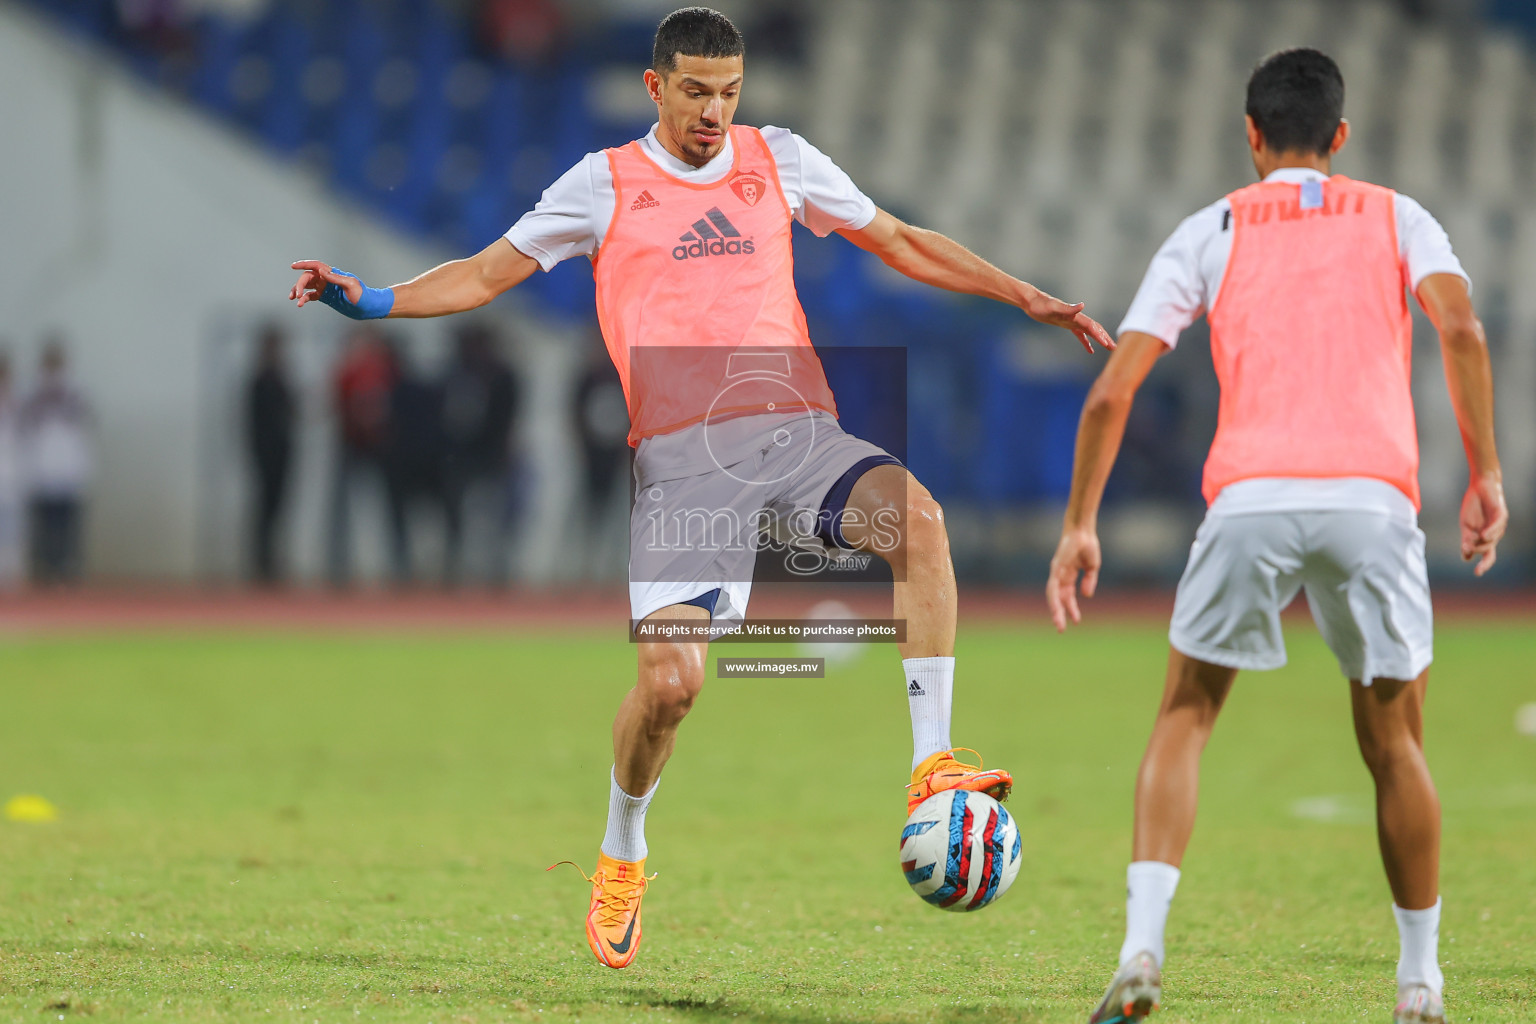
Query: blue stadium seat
[[1026, 430], [357, 120], [282, 115]]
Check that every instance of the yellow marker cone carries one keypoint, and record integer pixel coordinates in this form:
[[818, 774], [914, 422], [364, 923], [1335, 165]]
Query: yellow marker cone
[[30, 807]]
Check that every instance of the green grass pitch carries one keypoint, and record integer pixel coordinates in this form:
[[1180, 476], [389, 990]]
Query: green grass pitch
[[288, 827]]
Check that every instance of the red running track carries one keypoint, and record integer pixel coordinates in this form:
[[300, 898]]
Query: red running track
[[166, 608]]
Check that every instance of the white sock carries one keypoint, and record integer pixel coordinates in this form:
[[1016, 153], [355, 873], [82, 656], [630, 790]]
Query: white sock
[[930, 692], [1150, 885], [625, 838], [1418, 937]]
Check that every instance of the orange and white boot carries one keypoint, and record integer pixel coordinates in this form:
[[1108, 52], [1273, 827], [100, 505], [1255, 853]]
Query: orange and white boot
[[941, 772], [613, 920]]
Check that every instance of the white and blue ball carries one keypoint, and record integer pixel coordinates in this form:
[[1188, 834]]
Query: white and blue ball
[[960, 850]]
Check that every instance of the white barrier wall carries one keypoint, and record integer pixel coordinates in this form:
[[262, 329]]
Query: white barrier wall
[[140, 229]]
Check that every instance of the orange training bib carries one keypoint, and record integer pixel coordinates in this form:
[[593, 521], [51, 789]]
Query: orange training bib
[[696, 294], [1312, 339]]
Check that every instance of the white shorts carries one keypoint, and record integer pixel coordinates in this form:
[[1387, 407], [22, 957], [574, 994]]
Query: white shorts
[[706, 501], [1363, 571]]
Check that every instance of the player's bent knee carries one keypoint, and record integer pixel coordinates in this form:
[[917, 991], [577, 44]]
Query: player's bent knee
[[1386, 751], [1388, 725], [671, 676], [922, 537], [925, 526]]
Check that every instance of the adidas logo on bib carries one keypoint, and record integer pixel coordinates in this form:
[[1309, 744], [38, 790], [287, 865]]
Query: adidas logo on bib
[[644, 201], [713, 235]]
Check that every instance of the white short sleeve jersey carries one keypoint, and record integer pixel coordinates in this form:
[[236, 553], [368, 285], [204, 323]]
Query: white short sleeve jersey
[[573, 215], [1183, 279]]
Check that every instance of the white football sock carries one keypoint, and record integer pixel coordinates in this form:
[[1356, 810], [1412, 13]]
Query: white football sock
[[1150, 885], [1418, 938], [625, 838], [930, 692]]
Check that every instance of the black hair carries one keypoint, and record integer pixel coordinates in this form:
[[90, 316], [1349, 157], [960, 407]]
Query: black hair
[[694, 32], [1296, 98]]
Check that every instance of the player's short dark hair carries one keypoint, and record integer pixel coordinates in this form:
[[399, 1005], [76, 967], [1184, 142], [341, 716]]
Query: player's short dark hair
[[694, 32], [1296, 98]]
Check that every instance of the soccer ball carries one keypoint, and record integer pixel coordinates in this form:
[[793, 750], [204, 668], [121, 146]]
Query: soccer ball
[[960, 850]]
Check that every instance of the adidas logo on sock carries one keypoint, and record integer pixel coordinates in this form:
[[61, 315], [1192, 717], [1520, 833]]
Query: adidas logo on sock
[[913, 690], [644, 201]]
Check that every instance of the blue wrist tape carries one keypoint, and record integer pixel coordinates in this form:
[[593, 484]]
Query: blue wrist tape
[[374, 304]]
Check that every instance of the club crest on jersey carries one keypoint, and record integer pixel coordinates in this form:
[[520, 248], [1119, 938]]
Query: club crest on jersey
[[749, 187], [713, 235]]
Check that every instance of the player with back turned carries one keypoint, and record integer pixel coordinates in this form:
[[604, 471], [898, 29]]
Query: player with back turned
[[688, 230], [1312, 481]]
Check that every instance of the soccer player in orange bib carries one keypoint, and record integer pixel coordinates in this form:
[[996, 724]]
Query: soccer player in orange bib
[[1312, 483], [688, 231]]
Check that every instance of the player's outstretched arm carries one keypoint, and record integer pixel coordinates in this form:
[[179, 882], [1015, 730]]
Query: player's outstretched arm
[[453, 287], [932, 258], [1099, 432], [1469, 376]]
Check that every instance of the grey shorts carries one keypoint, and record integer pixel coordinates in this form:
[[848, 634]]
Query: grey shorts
[[1364, 574], [707, 499]]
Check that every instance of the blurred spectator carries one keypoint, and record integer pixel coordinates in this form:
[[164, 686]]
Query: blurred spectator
[[413, 461], [12, 489], [1160, 464], [778, 30], [56, 424], [481, 399], [362, 386], [602, 425], [269, 422], [140, 16], [156, 26], [526, 32]]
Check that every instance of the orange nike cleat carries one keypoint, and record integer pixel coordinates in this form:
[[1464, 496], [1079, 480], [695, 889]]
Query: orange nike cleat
[[613, 922], [942, 772]]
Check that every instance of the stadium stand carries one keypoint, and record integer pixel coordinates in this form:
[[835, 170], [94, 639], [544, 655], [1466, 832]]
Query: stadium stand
[[1063, 138], [1079, 133]]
